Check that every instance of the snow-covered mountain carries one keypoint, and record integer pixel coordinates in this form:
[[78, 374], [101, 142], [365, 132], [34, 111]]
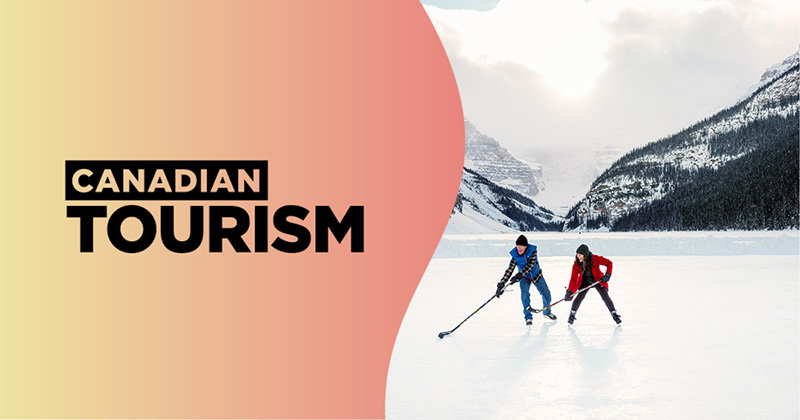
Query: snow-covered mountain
[[485, 207], [773, 72], [568, 171], [756, 129], [496, 189], [487, 157]]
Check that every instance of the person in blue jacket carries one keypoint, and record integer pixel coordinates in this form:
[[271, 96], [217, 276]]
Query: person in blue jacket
[[523, 256]]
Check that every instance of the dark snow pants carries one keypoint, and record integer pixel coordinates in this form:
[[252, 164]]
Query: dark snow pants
[[576, 303]]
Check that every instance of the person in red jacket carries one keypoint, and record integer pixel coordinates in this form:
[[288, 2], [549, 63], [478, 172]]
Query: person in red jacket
[[585, 271]]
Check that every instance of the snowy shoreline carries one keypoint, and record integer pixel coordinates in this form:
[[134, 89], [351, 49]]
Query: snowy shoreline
[[704, 243]]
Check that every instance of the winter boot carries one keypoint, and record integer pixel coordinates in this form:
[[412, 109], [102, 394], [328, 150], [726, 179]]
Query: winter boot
[[616, 317], [551, 316], [571, 317], [528, 322]]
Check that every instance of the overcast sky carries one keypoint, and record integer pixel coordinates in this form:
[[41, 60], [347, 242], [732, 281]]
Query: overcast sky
[[567, 73]]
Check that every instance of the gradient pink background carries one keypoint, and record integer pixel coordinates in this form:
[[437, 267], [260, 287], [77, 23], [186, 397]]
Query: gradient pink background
[[351, 102]]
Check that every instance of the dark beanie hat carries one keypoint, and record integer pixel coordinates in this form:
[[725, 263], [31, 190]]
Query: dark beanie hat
[[522, 240], [583, 250]]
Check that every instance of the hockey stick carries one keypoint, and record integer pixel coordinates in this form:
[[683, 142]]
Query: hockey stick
[[536, 311], [444, 333]]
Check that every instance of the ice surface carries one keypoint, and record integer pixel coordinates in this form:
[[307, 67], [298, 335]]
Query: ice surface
[[704, 336]]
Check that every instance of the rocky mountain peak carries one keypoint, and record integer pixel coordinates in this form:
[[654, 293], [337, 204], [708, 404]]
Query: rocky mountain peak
[[487, 157]]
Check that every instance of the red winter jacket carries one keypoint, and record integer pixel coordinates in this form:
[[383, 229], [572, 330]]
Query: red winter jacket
[[577, 272]]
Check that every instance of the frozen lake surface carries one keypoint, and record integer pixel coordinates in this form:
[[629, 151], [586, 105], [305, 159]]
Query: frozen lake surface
[[703, 336]]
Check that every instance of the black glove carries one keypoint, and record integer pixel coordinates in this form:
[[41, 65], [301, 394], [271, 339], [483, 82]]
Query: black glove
[[606, 277], [500, 286], [568, 296], [517, 277]]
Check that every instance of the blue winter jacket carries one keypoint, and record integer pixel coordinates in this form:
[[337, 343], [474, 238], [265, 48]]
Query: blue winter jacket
[[522, 261]]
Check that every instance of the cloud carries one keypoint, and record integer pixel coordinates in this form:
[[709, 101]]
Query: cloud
[[541, 73], [561, 40]]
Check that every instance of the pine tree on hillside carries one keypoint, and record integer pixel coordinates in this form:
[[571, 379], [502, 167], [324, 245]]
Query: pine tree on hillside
[[760, 190]]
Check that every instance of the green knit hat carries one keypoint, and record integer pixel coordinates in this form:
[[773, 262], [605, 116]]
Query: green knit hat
[[583, 250]]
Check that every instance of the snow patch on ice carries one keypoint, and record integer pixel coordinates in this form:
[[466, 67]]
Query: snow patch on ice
[[628, 243]]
